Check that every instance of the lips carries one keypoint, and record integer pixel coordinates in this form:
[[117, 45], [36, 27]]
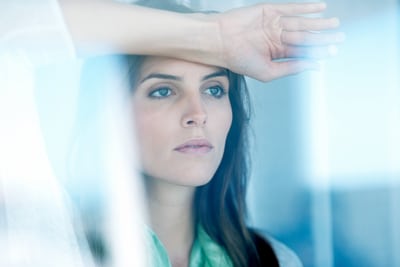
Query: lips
[[198, 146]]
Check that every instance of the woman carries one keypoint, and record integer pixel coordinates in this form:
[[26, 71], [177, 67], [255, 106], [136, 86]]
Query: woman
[[191, 125], [112, 28]]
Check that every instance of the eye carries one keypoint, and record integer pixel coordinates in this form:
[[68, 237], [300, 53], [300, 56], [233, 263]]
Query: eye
[[215, 91], [160, 92]]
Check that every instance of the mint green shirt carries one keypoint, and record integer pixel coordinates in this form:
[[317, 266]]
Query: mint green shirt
[[205, 252]]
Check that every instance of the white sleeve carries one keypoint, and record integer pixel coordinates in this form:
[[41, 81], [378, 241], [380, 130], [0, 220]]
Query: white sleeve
[[34, 30]]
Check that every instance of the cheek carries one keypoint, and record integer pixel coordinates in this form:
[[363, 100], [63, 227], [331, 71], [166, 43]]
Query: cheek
[[148, 126], [228, 119], [146, 119], [153, 133], [224, 120], [141, 127]]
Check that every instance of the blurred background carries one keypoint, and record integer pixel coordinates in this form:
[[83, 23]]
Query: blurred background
[[326, 145], [326, 150]]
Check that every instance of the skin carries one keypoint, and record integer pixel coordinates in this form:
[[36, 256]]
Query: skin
[[250, 40], [176, 102]]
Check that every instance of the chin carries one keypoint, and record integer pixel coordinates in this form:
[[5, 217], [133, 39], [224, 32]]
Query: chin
[[197, 181], [188, 179], [192, 179]]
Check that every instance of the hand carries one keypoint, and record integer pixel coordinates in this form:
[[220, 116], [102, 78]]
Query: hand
[[268, 41]]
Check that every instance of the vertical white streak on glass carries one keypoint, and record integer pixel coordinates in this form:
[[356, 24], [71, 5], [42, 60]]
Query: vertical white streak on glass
[[38, 225], [394, 138], [125, 213], [320, 174]]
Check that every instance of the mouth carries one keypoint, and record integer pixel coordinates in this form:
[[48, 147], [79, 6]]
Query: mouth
[[196, 146]]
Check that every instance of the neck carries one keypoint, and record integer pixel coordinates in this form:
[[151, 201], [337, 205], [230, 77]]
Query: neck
[[171, 217]]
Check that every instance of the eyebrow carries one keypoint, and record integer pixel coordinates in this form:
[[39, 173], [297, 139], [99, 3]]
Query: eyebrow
[[161, 76], [219, 73]]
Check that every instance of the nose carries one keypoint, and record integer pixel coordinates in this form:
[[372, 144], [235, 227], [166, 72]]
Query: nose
[[195, 114]]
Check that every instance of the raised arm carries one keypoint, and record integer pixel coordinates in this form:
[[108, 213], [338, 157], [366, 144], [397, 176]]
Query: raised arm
[[247, 40], [105, 26]]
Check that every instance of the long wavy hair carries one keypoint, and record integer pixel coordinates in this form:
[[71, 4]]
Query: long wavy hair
[[219, 206]]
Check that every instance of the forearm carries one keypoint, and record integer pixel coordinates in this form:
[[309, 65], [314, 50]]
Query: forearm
[[101, 27], [249, 40]]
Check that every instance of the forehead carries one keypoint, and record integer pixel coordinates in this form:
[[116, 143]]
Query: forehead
[[178, 67]]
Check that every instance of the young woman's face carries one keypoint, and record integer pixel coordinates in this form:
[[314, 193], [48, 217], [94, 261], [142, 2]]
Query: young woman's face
[[182, 114]]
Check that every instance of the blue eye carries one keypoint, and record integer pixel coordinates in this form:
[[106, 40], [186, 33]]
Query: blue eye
[[161, 92], [215, 91]]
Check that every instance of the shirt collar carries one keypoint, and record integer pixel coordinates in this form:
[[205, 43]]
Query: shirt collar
[[205, 251]]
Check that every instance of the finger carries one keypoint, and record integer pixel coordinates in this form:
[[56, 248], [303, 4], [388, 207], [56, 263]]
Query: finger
[[291, 67], [300, 8], [312, 52], [311, 38], [308, 24]]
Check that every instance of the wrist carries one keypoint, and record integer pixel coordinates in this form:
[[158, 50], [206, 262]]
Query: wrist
[[193, 37], [206, 40]]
